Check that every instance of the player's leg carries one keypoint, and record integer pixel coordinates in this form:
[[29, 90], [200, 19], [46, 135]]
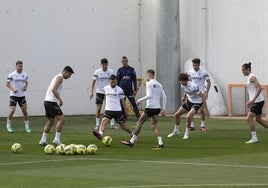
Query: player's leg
[[261, 121], [12, 108], [156, 131], [105, 120], [23, 106], [132, 101], [203, 118], [177, 116], [47, 127], [251, 125], [59, 127], [99, 102], [189, 118]]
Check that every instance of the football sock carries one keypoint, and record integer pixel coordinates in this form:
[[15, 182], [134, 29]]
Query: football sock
[[57, 136], [8, 122], [101, 133], [202, 123], [112, 122], [254, 135], [160, 141], [176, 128], [44, 137], [26, 124], [192, 124], [133, 138], [97, 121], [187, 131]]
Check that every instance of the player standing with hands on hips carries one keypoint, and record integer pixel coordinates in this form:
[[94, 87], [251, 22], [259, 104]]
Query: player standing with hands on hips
[[52, 104], [255, 103], [154, 93], [17, 82]]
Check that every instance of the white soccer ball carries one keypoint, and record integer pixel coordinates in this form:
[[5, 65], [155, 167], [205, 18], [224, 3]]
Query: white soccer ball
[[92, 149], [49, 149], [16, 148], [81, 149], [107, 141], [69, 150], [60, 149]]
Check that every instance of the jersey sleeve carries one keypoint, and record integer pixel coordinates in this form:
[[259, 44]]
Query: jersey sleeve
[[95, 75], [26, 78], [118, 76], [134, 78], [164, 98], [9, 78], [121, 94], [206, 75], [148, 93]]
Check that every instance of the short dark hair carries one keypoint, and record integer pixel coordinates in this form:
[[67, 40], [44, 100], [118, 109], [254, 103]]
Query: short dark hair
[[104, 61], [68, 69], [19, 62], [113, 77], [196, 61], [247, 65], [151, 71], [125, 57], [183, 77]]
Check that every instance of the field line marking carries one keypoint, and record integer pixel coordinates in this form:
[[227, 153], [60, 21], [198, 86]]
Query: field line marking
[[137, 161]]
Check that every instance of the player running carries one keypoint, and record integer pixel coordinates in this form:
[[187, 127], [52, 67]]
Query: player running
[[255, 103], [17, 83], [127, 80], [200, 77], [52, 104], [195, 99], [101, 79], [154, 93], [114, 97]]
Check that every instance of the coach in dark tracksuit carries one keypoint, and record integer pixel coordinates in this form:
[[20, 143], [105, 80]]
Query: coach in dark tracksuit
[[127, 80]]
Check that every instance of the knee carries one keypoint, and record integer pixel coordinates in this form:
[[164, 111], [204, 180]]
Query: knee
[[258, 118]]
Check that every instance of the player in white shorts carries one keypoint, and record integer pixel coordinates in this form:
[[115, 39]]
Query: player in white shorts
[[17, 83], [195, 99], [255, 103], [52, 105], [201, 78], [101, 79], [115, 108], [154, 94]]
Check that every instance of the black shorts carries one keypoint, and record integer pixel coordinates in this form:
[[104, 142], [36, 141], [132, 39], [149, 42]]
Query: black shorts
[[117, 115], [256, 108], [99, 98], [52, 109], [20, 100], [151, 112], [189, 105]]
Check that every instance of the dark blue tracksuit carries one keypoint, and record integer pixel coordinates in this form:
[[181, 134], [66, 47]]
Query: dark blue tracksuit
[[127, 80]]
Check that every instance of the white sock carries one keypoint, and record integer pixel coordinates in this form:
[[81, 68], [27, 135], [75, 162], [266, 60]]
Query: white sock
[[203, 123], [160, 141], [176, 128], [44, 137], [133, 138], [97, 121], [57, 136], [101, 133], [192, 124], [254, 135], [187, 131], [8, 122], [112, 122], [26, 124]]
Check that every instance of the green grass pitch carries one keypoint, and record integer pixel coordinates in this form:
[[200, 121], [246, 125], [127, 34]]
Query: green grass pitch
[[216, 158]]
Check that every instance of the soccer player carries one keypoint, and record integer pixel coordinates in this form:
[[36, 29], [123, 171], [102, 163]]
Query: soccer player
[[17, 83], [115, 107], [127, 80], [195, 99], [101, 79], [200, 77], [255, 103], [154, 93], [52, 104]]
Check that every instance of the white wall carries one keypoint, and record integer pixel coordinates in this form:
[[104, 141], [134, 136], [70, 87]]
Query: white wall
[[47, 35]]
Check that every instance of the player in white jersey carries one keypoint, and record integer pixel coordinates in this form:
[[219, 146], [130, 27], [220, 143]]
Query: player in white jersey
[[255, 103], [201, 78], [195, 99], [17, 83], [101, 79], [154, 93], [52, 105], [115, 107]]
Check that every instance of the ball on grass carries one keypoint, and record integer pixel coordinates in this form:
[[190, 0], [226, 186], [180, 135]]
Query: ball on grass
[[107, 141], [92, 149], [16, 148]]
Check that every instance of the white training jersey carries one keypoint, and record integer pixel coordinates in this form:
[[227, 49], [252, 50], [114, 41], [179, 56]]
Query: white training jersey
[[192, 91], [199, 78], [154, 93], [113, 97], [18, 81], [102, 79], [252, 90], [49, 95]]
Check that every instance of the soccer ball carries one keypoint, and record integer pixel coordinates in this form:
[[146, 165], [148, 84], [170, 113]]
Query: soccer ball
[[107, 141], [69, 150], [81, 149], [49, 149], [60, 149], [74, 148], [92, 149], [16, 148]]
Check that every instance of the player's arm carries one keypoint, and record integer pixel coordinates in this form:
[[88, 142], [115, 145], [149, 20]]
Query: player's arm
[[58, 82], [164, 101], [148, 94], [124, 106], [25, 84], [118, 76], [184, 97], [93, 83], [9, 86], [134, 81], [256, 83]]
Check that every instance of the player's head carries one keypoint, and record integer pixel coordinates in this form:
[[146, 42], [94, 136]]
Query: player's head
[[246, 69], [150, 74], [19, 66], [124, 61], [183, 78], [67, 72], [196, 64], [104, 64], [113, 80]]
